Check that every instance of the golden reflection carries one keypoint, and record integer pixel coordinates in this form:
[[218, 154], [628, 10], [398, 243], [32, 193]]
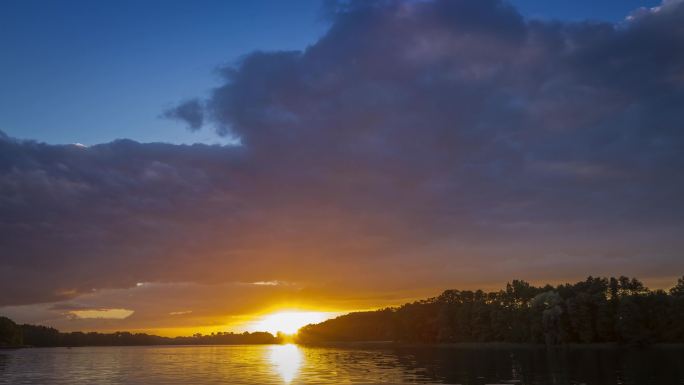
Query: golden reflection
[[285, 360]]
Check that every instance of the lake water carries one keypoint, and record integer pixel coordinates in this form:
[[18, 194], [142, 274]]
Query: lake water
[[291, 364]]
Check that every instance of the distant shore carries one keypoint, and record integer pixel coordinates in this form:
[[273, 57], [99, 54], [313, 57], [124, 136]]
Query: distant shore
[[398, 345], [598, 312], [486, 345]]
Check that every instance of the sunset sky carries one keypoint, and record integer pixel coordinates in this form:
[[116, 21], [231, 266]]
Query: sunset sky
[[183, 166]]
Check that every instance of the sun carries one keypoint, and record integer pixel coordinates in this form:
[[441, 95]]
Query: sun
[[288, 322]]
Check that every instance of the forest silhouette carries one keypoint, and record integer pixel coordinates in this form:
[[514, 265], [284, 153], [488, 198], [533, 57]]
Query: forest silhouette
[[597, 310], [15, 335]]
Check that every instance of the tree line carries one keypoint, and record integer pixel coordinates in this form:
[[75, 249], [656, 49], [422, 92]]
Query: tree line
[[596, 310], [15, 335]]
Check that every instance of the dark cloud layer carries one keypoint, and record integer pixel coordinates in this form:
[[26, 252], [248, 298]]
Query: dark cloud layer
[[426, 143]]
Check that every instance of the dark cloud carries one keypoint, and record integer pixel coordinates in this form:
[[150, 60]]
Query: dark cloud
[[422, 144], [189, 112]]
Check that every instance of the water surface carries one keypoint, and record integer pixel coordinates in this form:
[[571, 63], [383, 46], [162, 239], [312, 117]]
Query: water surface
[[291, 364]]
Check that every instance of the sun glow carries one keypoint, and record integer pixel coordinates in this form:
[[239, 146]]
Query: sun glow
[[288, 322]]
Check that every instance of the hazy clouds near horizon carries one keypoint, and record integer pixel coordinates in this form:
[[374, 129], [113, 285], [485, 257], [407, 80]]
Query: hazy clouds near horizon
[[415, 145]]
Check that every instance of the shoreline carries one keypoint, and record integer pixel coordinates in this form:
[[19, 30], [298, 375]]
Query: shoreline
[[397, 345], [489, 345]]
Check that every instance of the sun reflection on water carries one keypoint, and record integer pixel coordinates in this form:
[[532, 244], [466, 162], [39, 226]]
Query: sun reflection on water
[[285, 360]]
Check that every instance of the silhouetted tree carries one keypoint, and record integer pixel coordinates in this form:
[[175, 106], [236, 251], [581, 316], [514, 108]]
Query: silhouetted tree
[[678, 289], [42, 336], [597, 309], [546, 317], [10, 333]]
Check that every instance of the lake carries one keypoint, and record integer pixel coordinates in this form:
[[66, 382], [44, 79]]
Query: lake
[[291, 364]]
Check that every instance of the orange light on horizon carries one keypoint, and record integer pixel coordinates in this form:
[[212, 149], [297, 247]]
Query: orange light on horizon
[[288, 322]]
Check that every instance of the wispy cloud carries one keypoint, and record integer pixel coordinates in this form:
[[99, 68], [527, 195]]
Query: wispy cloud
[[102, 313], [183, 312]]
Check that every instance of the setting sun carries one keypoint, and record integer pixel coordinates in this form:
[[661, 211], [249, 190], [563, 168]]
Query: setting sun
[[288, 322]]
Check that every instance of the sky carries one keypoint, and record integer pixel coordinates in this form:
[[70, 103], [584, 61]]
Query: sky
[[92, 72], [171, 166]]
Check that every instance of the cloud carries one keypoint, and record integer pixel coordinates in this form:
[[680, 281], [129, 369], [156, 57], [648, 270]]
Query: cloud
[[182, 312], [189, 112], [76, 311], [268, 283], [102, 313], [415, 145]]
